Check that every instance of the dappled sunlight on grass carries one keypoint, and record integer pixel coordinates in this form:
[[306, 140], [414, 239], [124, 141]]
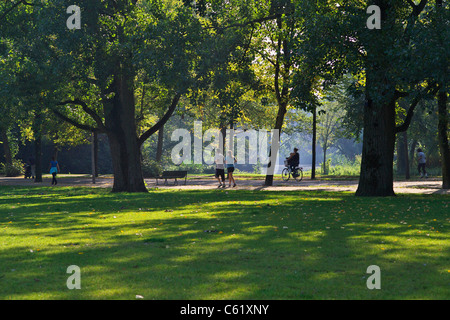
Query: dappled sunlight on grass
[[211, 244]]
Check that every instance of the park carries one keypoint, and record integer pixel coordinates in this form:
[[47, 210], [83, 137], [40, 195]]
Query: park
[[224, 151]]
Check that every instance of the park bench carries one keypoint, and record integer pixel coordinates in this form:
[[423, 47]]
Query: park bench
[[172, 175]]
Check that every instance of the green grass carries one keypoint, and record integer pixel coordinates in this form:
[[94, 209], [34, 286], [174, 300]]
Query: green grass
[[259, 244]]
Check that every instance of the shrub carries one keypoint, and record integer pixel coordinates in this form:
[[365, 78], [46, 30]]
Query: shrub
[[151, 168], [325, 167], [13, 170]]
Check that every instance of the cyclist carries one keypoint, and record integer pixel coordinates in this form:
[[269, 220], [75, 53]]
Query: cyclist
[[293, 162]]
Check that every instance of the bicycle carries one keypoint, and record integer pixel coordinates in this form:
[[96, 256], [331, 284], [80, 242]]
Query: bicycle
[[287, 172]]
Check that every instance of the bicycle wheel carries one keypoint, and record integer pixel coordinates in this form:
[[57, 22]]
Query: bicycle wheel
[[299, 176], [285, 174]]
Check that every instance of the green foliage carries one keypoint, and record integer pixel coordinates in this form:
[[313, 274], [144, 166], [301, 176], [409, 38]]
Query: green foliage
[[151, 168], [12, 170], [234, 61], [346, 167], [325, 166]]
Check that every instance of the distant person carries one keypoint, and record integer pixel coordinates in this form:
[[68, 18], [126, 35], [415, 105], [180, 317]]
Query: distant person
[[54, 169], [422, 160], [230, 161], [293, 161], [27, 170], [32, 163], [220, 169]]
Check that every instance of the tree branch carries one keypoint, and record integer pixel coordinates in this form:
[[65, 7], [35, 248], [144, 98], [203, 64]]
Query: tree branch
[[88, 110], [251, 22], [400, 94], [405, 125], [162, 121], [74, 122], [15, 5]]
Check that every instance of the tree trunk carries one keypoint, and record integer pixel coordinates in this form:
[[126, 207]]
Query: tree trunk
[[93, 157], [55, 152], [443, 120], [376, 177], [443, 138], [314, 138], [38, 156], [122, 136], [223, 131], [38, 146], [95, 136], [159, 148], [412, 150], [37, 132], [377, 173], [273, 152], [325, 169], [282, 96], [405, 145], [401, 154], [6, 146]]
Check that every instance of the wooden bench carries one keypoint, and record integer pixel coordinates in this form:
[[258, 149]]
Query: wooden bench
[[172, 175]]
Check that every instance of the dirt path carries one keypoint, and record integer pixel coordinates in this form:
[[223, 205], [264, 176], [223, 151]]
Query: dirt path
[[423, 186]]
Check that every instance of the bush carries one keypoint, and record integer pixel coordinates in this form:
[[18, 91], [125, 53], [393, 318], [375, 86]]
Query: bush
[[347, 168], [325, 167], [151, 168], [13, 170]]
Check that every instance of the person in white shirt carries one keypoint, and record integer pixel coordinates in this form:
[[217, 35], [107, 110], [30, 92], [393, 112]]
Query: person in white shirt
[[422, 160], [220, 169]]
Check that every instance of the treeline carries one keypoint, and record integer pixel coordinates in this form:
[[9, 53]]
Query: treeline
[[134, 64]]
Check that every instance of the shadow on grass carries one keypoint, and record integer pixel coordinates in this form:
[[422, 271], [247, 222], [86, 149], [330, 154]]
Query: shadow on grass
[[259, 245]]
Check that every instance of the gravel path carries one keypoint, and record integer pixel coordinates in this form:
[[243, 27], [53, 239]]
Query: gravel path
[[422, 186]]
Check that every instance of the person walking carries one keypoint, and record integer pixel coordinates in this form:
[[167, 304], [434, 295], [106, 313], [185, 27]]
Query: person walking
[[230, 161], [54, 169], [220, 169], [422, 160]]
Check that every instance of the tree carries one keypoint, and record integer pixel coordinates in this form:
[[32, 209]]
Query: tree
[[441, 32], [274, 48], [7, 7], [328, 130], [173, 48], [443, 138], [387, 60], [326, 120]]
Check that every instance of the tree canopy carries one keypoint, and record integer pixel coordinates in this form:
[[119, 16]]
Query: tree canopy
[[131, 64]]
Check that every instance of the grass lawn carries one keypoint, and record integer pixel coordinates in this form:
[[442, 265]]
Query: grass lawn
[[221, 244]]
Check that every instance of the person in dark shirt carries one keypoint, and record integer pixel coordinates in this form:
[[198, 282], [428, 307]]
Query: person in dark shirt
[[293, 161]]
